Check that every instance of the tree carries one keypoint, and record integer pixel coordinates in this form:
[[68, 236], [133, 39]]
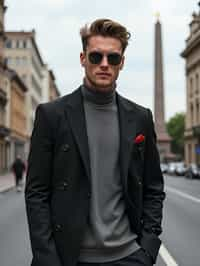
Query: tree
[[175, 128]]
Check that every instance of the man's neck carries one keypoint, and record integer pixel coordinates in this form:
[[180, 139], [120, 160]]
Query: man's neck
[[97, 97]]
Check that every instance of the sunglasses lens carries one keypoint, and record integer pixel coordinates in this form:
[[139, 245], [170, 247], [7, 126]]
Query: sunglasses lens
[[95, 57], [114, 59]]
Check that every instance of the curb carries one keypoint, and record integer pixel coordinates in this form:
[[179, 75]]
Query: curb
[[4, 190]]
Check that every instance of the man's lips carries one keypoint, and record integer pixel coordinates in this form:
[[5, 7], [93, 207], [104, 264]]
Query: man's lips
[[103, 74]]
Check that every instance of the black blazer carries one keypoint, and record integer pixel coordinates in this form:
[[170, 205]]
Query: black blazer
[[57, 191]]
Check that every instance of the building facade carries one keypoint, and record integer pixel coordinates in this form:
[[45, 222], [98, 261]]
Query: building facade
[[25, 82], [4, 130], [50, 89], [12, 107], [53, 89], [191, 54], [4, 122], [22, 55], [17, 118]]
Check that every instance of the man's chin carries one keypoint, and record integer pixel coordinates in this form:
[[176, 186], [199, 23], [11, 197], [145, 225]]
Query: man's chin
[[105, 86], [101, 88], [101, 85]]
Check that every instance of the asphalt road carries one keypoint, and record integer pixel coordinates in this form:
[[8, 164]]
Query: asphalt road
[[14, 241], [181, 226], [181, 223]]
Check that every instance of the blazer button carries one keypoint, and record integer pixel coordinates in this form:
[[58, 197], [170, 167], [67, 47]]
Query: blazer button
[[65, 147], [58, 228], [65, 185], [139, 183], [89, 195]]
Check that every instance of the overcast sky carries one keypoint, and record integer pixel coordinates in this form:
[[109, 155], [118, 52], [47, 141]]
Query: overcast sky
[[57, 24]]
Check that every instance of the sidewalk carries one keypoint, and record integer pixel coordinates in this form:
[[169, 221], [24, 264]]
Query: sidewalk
[[7, 181]]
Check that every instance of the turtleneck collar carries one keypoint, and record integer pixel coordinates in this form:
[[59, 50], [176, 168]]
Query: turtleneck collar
[[99, 98]]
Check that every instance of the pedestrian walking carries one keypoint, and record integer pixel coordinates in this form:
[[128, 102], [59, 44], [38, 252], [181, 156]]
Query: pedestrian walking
[[18, 169], [94, 189]]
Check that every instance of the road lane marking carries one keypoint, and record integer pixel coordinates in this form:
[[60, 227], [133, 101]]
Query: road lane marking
[[168, 259], [182, 194]]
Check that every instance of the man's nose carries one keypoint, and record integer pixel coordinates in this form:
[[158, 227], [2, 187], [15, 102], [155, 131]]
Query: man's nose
[[104, 61]]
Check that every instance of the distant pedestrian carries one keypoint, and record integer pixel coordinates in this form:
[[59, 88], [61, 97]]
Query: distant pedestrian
[[18, 169]]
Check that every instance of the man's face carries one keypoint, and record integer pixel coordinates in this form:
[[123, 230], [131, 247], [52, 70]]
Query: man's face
[[101, 76]]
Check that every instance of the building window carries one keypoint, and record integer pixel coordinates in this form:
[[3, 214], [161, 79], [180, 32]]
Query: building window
[[21, 44], [192, 114], [8, 44], [36, 86], [189, 153], [197, 112], [24, 61], [24, 44], [36, 67], [191, 87], [8, 61], [18, 61], [2, 114], [17, 44], [197, 83]]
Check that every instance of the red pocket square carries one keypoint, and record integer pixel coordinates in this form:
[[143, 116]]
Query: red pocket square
[[139, 139]]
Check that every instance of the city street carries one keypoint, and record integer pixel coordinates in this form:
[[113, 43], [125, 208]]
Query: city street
[[181, 236]]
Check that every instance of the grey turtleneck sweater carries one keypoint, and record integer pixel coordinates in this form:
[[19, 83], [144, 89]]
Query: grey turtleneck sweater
[[108, 236]]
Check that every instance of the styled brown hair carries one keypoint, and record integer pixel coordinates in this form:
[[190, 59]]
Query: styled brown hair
[[106, 28]]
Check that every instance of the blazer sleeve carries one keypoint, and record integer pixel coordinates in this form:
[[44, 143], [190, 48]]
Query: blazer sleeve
[[153, 194], [37, 192]]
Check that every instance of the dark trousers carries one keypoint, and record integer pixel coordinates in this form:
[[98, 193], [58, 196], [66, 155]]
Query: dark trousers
[[138, 258], [18, 178]]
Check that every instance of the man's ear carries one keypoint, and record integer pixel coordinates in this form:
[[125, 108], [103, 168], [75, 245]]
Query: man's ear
[[82, 58], [122, 62]]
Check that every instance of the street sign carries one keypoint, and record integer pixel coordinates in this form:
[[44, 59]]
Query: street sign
[[197, 149]]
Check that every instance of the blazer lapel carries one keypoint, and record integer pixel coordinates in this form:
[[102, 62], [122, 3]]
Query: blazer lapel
[[76, 116], [127, 124]]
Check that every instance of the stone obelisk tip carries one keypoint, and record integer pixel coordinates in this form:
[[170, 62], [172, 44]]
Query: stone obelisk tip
[[157, 16]]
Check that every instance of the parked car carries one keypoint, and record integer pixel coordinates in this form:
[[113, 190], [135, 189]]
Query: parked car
[[193, 171], [180, 169], [171, 168], [164, 167]]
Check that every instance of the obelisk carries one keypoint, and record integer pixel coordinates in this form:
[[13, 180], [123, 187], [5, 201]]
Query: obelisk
[[163, 138]]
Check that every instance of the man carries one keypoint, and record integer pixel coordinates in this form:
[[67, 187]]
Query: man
[[18, 169], [94, 188]]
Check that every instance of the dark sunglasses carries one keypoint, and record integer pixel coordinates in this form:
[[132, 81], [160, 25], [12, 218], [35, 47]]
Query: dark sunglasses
[[114, 59]]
